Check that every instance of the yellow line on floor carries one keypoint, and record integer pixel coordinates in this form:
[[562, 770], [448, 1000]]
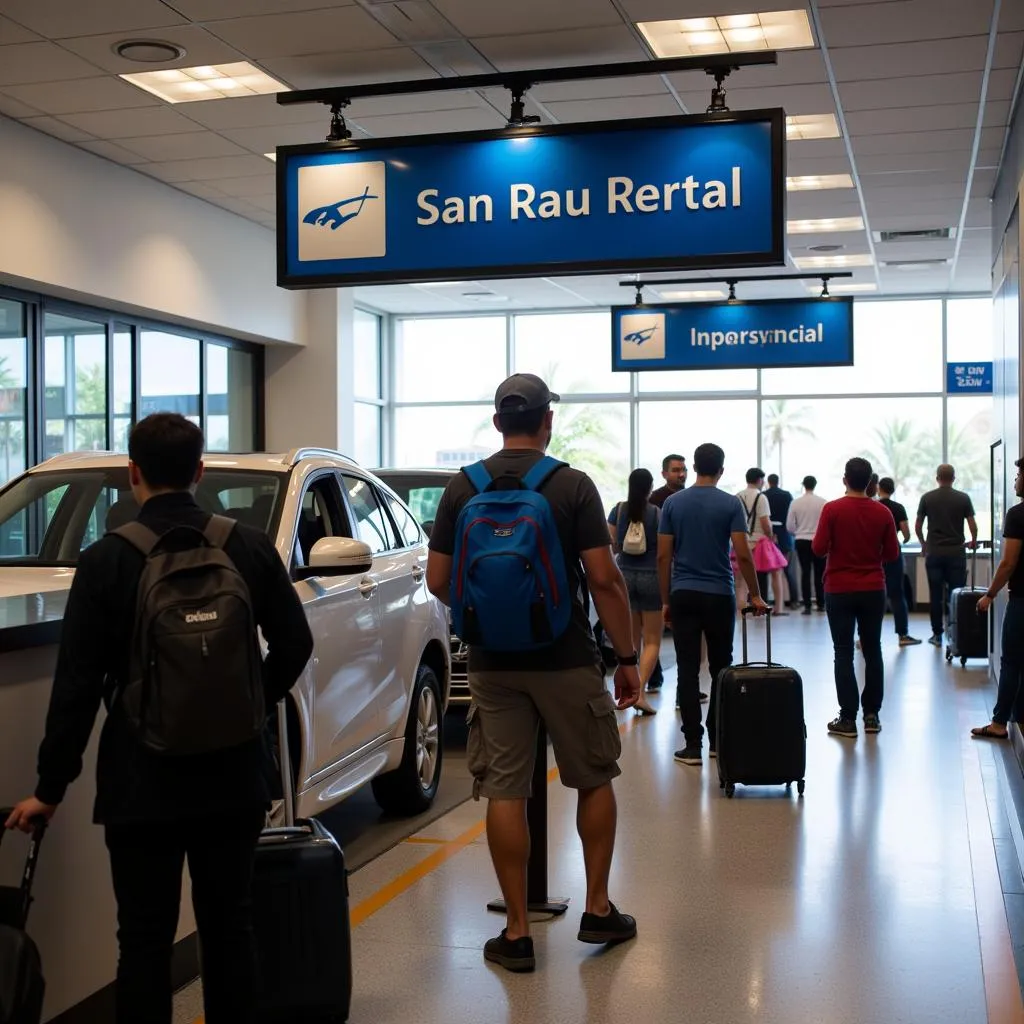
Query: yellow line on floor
[[426, 840]]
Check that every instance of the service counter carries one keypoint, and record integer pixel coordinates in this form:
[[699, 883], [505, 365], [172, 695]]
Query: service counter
[[73, 919]]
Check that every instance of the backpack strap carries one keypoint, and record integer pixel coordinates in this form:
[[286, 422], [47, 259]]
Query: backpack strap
[[139, 536], [218, 530], [478, 476], [539, 473]]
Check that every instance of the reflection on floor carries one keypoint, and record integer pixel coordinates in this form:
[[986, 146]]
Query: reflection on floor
[[875, 899]]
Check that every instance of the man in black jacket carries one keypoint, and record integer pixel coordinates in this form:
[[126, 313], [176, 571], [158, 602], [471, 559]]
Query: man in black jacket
[[158, 810]]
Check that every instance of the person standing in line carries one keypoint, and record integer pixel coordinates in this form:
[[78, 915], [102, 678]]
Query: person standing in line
[[698, 588], [159, 810], [894, 571], [779, 502], [802, 523], [857, 537], [673, 472], [562, 684], [1011, 663], [768, 559], [630, 521], [946, 510]]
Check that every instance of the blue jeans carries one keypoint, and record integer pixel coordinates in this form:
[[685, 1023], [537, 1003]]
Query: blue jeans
[[1011, 665], [859, 611], [945, 574], [897, 597]]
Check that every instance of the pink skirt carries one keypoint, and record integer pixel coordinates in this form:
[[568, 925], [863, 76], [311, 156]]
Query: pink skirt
[[767, 556]]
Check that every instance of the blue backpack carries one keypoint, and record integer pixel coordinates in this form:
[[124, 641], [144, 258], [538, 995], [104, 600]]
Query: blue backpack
[[509, 587]]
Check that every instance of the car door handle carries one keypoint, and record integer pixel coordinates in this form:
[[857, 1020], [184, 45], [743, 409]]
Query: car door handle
[[368, 588], [417, 572]]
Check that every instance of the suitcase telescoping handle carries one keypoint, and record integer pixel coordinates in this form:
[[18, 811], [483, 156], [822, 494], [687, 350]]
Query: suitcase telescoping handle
[[31, 860], [749, 610], [285, 761]]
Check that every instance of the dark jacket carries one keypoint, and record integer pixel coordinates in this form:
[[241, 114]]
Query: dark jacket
[[132, 783]]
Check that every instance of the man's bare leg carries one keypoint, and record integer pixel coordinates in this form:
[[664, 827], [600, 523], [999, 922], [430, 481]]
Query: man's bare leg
[[508, 838]]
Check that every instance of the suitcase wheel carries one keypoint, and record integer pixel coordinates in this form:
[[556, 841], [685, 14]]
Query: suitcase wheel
[[800, 788], [949, 655], [730, 789], [963, 663]]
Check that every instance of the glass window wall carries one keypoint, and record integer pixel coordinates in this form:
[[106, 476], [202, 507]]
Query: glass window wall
[[449, 360], [170, 374], [13, 389], [230, 399], [75, 382]]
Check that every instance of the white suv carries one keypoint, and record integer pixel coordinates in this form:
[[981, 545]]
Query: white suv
[[370, 702]]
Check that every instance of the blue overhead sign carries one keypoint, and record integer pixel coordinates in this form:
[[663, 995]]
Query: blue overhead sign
[[733, 335], [969, 378], [665, 193]]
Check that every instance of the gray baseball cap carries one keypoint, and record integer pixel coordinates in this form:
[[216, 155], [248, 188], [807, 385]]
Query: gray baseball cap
[[523, 392]]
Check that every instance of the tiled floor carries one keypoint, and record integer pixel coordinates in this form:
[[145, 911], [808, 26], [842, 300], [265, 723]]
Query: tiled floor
[[876, 899]]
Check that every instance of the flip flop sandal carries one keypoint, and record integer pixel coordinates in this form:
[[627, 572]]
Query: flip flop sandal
[[987, 732]]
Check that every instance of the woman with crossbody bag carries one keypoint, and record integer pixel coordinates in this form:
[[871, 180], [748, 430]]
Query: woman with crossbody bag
[[768, 559]]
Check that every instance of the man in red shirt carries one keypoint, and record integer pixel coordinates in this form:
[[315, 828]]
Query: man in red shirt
[[857, 536]]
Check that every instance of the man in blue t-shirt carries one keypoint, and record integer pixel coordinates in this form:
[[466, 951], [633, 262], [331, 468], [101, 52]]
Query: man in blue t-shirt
[[697, 587]]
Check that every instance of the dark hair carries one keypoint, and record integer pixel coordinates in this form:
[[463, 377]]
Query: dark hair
[[522, 424], [167, 448], [669, 459], [755, 475], [886, 484], [872, 485], [708, 460], [945, 473], [858, 474], [640, 484], [1019, 463], [810, 482], [773, 479]]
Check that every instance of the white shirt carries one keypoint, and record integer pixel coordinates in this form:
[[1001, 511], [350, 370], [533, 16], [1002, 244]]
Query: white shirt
[[804, 514], [752, 498]]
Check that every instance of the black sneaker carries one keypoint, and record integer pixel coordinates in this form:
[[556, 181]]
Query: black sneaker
[[840, 726], [689, 755], [806, 611], [872, 724], [935, 639], [512, 954], [613, 927]]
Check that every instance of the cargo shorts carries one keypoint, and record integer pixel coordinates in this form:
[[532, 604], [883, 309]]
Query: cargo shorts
[[578, 713]]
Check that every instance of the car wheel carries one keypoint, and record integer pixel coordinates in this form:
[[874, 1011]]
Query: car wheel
[[410, 789]]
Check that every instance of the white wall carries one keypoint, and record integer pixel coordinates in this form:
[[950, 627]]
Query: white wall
[[77, 226]]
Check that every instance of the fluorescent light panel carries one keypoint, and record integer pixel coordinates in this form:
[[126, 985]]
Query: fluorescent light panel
[[815, 182], [801, 127], [838, 288], [716, 293], [208, 82], [736, 33], [271, 156], [824, 225], [834, 262]]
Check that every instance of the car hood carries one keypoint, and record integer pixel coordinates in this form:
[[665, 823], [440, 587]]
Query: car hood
[[16, 580]]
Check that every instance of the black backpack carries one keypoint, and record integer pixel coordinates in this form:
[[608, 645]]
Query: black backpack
[[195, 683]]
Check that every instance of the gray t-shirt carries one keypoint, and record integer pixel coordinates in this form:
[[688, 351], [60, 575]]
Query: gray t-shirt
[[579, 517], [946, 510]]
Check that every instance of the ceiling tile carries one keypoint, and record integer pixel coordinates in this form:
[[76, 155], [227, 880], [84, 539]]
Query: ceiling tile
[[82, 94], [253, 112], [208, 170], [213, 10], [266, 140], [958, 141], [266, 202], [240, 206], [128, 124], [201, 47], [794, 99], [600, 88], [382, 106], [56, 19], [658, 10], [289, 35], [795, 67], [916, 91], [23, 63], [112, 151], [1009, 49], [948, 56], [536, 50], [907, 22], [609, 109], [800, 148], [477, 19], [11, 107], [11, 32], [182, 146], [315, 71], [442, 121], [200, 189], [946, 117], [251, 185], [58, 129]]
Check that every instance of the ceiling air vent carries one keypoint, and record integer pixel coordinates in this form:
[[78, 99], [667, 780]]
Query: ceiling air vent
[[914, 264], [923, 235]]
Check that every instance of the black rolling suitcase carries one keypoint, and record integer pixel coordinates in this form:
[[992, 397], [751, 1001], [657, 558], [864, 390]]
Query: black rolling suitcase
[[968, 630], [300, 911], [762, 738], [21, 973]]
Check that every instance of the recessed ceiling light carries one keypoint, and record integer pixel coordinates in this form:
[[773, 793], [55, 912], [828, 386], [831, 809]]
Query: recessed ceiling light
[[813, 182], [149, 51], [811, 126], [825, 262], [209, 82], [736, 33], [716, 293], [838, 287], [824, 225]]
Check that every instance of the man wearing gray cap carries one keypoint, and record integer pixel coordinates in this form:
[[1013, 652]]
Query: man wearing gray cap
[[560, 682]]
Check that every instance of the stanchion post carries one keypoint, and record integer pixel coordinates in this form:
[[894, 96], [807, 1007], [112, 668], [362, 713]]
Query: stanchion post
[[537, 899]]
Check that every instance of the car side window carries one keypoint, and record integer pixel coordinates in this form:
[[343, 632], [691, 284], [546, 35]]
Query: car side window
[[320, 516], [408, 528], [371, 521]]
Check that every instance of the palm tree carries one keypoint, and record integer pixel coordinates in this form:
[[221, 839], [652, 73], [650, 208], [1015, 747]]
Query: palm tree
[[782, 419]]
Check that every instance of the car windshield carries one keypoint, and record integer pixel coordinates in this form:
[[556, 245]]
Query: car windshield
[[422, 493], [49, 518]]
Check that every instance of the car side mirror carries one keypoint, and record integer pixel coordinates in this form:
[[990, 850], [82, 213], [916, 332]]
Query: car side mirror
[[337, 556]]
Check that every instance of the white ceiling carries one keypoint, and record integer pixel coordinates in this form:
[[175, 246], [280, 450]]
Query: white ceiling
[[908, 78]]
